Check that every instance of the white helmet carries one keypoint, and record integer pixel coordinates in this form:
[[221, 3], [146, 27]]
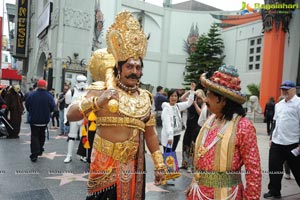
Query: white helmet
[[81, 82]]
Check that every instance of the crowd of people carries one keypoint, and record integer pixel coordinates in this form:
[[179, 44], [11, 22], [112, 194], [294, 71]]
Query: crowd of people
[[218, 140]]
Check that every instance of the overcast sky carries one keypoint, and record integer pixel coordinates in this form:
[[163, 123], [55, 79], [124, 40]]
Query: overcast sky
[[229, 5], [221, 4]]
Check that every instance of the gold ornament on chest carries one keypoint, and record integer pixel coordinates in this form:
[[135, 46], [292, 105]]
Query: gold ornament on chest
[[134, 105], [221, 126], [202, 151]]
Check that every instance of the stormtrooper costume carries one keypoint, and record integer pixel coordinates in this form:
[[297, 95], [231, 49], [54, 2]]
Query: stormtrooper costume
[[79, 91]]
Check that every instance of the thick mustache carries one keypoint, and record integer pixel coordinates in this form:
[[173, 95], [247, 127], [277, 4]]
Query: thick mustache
[[134, 76]]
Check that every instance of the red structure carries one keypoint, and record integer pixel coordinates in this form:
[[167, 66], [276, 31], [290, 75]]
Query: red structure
[[235, 20], [11, 75], [274, 42]]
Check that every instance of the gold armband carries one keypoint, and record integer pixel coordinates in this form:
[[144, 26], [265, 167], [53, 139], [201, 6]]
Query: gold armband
[[158, 160], [86, 106], [95, 105]]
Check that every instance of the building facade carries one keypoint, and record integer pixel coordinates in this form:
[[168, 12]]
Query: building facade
[[71, 31], [63, 34], [60, 37]]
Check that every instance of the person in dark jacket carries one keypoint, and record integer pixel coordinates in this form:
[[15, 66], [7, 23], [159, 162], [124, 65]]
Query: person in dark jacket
[[269, 113], [39, 104], [15, 109], [192, 129], [159, 98]]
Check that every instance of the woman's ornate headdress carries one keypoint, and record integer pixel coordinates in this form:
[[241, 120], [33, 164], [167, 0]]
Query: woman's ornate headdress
[[125, 39], [226, 82]]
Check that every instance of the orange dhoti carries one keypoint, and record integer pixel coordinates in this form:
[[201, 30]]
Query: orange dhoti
[[115, 171]]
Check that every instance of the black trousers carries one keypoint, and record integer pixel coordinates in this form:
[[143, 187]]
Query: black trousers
[[110, 193], [37, 140], [270, 125], [277, 155], [82, 151]]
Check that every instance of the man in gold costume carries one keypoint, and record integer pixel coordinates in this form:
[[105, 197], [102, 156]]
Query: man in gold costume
[[123, 113]]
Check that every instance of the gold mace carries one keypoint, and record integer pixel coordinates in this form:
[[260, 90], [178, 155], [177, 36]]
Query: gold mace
[[102, 69]]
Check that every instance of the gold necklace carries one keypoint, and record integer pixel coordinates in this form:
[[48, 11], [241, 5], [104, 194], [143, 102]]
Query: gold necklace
[[203, 150], [129, 90]]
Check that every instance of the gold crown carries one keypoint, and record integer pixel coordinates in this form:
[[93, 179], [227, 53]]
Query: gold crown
[[125, 39]]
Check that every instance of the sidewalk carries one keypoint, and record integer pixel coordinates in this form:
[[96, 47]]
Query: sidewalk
[[51, 179], [290, 189]]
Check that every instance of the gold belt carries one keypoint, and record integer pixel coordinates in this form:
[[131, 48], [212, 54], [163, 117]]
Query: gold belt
[[121, 151], [121, 121], [218, 179]]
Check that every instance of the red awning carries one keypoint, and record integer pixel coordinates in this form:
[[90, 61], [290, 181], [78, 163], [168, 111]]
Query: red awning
[[11, 74]]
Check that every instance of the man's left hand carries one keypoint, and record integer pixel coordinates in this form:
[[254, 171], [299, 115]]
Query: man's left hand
[[159, 177]]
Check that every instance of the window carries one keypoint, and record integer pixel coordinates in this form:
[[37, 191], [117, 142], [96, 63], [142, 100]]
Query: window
[[254, 54], [257, 49], [258, 41]]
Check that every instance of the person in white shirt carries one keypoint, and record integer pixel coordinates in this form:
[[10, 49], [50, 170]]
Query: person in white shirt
[[285, 138], [171, 118]]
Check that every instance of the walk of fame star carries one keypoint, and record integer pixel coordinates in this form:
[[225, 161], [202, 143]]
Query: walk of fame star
[[51, 155], [151, 187], [57, 137], [68, 178]]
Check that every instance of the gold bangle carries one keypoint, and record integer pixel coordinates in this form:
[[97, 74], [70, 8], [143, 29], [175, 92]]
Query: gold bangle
[[97, 107], [158, 160], [93, 103], [85, 106]]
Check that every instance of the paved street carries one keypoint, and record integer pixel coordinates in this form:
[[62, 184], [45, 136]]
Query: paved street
[[50, 178]]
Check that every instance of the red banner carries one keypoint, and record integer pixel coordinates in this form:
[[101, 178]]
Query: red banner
[[11, 74]]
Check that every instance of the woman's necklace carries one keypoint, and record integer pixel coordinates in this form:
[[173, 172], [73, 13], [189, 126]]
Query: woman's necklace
[[202, 150]]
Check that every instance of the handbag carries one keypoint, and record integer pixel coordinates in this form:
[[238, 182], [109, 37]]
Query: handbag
[[171, 163]]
